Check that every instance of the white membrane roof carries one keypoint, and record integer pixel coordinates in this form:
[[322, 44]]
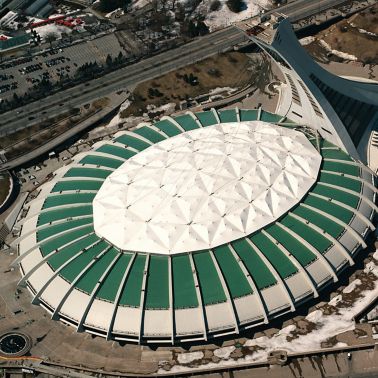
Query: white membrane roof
[[205, 187]]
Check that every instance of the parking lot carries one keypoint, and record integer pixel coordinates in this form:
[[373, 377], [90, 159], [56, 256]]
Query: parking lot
[[19, 75]]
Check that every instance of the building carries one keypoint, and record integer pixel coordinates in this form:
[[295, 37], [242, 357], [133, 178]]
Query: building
[[194, 227], [13, 43], [343, 111]]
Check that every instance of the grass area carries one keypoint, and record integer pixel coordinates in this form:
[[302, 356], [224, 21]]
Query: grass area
[[233, 69], [100, 103], [4, 186], [351, 36]]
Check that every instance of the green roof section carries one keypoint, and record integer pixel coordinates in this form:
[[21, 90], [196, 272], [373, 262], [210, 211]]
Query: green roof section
[[88, 173], [335, 153], [168, 127], [323, 222], [133, 142], [109, 288], [61, 227], [150, 134], [248, 115], [348, 169], [157, 289], [269, 117], [303, 255], [78, 265], [210, 284], [116, 151], [67, 238], [68, 199], [187, 122], [207, 118], [341, 181], [314, 238], [326, 144], [337, 194], [329, 207], [133, 287], [75, 185], [228, 115], [58, 259], [93, 275], [256, 267], [101, 161], [236, 281], [54, 215], [281, 263], [184, 291]]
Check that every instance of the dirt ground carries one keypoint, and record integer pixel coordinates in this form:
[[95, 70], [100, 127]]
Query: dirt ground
[[233, 69], [356, 36]]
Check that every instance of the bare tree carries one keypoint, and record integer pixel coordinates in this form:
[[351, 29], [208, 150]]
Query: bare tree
[[51, 37]]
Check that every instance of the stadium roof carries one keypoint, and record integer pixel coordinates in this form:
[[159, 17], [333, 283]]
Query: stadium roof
[[205, 187], [127, 294]]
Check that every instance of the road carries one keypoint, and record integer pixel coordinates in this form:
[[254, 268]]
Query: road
[[150, 68], [301, 9], [121, 79]]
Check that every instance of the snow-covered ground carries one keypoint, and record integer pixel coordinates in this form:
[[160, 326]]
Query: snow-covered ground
[[224, 16], [219, 90], [326, 322], [116, 120], [187, 358], [307, 40], [58, 30], [338, 53]]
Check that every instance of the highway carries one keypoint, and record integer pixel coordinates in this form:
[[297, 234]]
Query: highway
[[301, 9], [121, 79], [146, 69]]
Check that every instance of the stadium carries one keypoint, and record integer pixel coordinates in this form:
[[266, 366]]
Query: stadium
[[196, 226]]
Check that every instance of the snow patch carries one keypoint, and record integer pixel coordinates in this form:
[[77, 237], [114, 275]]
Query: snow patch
[[314, 316], [371, 267], [224, 17], [334, 301], [287, 330], [117, 11], [307, 40], [116, 120], [218, 90], [187, 358], [363, 31], [224, 352], [58, 30], [337, 53], [166, 108], [326, 327], [352, 286]]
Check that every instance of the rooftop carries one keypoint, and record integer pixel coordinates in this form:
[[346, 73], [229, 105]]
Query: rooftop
[[205, 187]]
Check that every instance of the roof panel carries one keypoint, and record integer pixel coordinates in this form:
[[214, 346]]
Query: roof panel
[[233, 275], [184, 291], [210, 284], [259, 272]]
